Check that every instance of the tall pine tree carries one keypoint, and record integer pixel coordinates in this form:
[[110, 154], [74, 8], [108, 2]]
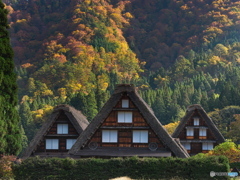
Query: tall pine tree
[[10, 137]]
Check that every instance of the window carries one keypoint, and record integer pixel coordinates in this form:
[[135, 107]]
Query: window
[[196, 121], [52, 143], [70, 143], [187, 146], [202, 132], [207, 146], [140, 136], [62, 129], [125, 103], [189, 131], [109, 136], [124, 117]]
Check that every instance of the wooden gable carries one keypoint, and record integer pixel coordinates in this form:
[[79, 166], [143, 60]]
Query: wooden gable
[[58, 133], [62, 119], [62, 138], [202, 124], [125, 130], [197, 132]]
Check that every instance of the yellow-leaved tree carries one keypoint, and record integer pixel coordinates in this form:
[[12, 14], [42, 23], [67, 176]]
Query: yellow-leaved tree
[[228, 149], [171, 127]]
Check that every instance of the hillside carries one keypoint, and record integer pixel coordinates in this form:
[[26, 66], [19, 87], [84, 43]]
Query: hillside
[[176, 52], [163, 30]]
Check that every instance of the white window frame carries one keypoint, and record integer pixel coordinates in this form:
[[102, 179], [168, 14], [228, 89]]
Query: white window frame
[[125, 117], [190, 132], [125, 103], [140, 136], [109, 136], [52, 143], [196, 121], [70, 143], [186, 145], [207, 146], [62, 128], [202, 132]]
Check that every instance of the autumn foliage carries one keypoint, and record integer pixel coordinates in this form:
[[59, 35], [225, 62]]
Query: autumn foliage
[[171, 127], [5, 166], [175, 52], [228, 149]]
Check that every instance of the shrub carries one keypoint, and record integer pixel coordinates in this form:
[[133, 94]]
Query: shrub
[[228, 149], [6, 166], [134, 167]]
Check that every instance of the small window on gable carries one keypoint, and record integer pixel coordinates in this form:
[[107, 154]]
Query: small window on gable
[[207, 146], [125, 103], [109, 136], [124, 117], [190, 131], [52, 143], [187, 146], [70, 143], [196, 121], [62, 129], [140, 136], [202, 132]]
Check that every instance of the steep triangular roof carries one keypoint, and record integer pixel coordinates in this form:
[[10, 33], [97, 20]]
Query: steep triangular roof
[[190, 111], [144, 109], [77, 119]]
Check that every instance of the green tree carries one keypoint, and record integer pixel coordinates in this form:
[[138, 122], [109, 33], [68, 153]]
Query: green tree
[[91, 106], [197, 95], [31, 85], [10, 136], [234, 132], [228, 149], [26, 118]]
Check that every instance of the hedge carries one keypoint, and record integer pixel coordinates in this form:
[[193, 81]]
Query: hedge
[[235, 165], [134, 167]]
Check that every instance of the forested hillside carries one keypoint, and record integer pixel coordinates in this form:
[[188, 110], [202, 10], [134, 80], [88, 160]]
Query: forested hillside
[[176, 52]]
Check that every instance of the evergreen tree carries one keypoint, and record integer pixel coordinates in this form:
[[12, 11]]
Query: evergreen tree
[[160, 109], [31, 86], [27, 119], [34, 105], [10, 136], [80, 102], [197, 95], [91, 106]]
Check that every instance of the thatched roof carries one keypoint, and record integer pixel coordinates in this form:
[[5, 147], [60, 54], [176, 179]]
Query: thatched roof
[[144, 109], [190, 111], [77, 119]]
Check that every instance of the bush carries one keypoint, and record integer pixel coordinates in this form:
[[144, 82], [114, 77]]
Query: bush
[[134, 167], [6, 166], [236, 164], [228, 149]]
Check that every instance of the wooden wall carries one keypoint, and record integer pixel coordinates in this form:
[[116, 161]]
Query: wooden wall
[[202, 122], [125, 139], [62, 145], [52, 134], [196, 147], [125, 134]]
